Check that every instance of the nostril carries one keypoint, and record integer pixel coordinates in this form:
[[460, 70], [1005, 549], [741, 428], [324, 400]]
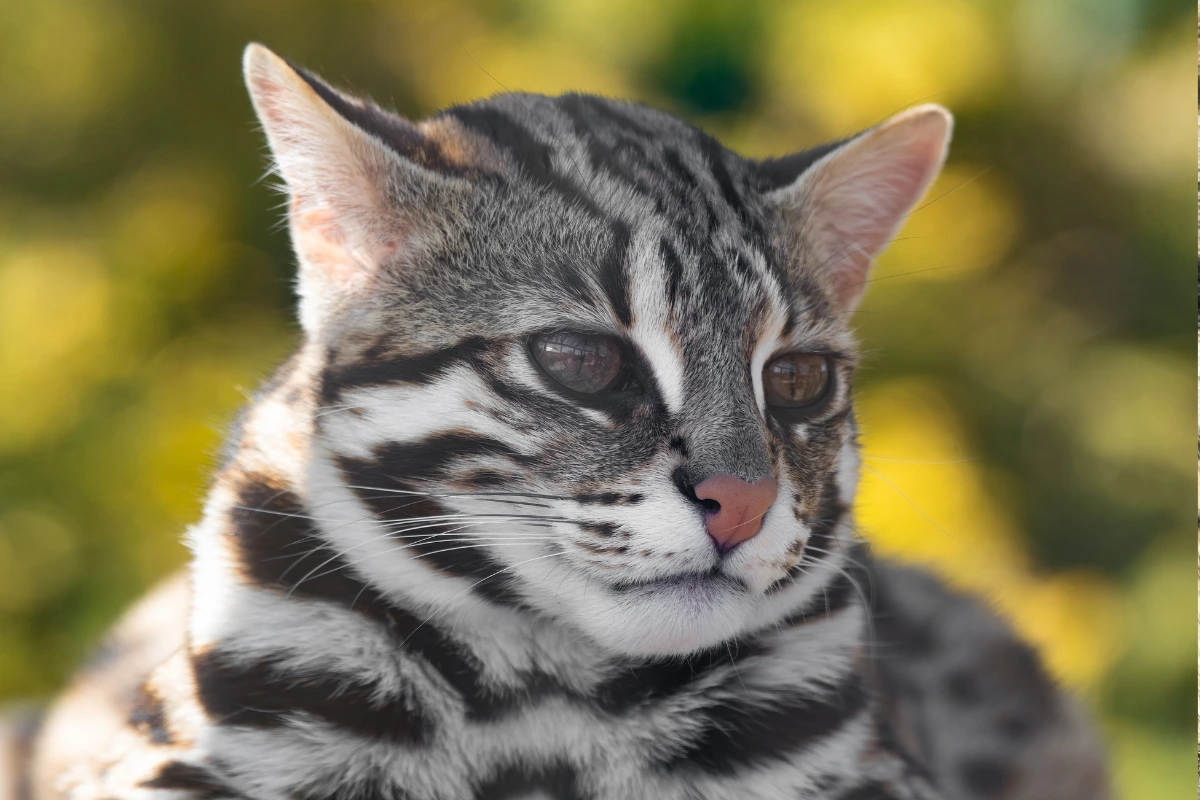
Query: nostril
[[709, 504], [685, 486]]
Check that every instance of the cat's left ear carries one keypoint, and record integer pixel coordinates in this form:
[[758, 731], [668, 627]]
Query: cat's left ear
[[362, 183], [847, 205]]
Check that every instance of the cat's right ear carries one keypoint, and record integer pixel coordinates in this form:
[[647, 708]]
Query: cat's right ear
[[850, 198], [358, 179]]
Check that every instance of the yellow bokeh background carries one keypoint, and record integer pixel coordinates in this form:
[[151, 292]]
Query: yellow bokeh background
[[1026, 402]]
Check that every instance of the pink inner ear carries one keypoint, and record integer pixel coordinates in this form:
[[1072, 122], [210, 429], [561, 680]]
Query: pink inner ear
[[324, 245], [846, 260], [857, 199], [321, 243]]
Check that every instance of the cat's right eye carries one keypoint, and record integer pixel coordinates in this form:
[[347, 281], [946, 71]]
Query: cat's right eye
[[587, 363]]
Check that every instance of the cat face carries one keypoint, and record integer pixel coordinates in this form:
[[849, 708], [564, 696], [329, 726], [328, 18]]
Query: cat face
[[576, 357]]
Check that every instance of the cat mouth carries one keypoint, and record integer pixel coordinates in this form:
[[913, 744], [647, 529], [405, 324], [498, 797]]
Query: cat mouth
[[673, 614], [710, 581]]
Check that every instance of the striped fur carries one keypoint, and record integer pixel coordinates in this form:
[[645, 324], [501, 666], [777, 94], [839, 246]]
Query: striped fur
[[425, 572]]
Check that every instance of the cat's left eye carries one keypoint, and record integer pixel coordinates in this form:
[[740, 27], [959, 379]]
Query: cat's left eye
[[797, 380], [582, 362]]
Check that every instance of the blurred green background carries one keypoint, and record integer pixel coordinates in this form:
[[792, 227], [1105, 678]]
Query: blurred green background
[[1027, 403]]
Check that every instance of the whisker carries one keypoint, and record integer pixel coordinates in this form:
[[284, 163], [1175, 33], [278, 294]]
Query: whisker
[[428, 537], [415, 558], [461, 494], [473, 585], [909, 500], [949, 192], [326, 410], [341, 554], [963, 460], [498, 498]]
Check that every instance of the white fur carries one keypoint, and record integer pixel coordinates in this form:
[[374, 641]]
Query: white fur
[[651, 318]]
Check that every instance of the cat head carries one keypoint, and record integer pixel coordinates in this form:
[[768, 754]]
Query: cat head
[[575, 356]]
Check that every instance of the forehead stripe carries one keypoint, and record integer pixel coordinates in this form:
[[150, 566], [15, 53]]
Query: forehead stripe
[[614, 278], [534, 157], [674, 267], [653, 328]]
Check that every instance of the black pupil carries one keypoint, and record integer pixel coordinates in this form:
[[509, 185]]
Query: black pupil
[[579, 361]]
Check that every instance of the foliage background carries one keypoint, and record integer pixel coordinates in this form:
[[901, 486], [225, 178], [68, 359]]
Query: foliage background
[[1027, 404]]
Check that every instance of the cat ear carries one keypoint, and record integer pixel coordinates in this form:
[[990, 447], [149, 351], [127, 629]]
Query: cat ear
[[358, 178], [847, 204]]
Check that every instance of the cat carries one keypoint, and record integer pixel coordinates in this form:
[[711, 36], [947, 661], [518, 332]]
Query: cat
[[553, 500]]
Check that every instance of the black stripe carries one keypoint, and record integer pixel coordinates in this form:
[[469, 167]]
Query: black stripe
[[679, 171], [613, 277], [608, 498], [458, 667], [775, 173], [197, 781], [279, 548], [570, 280], [688, 186], [868, 791], [149, 717], [558, 780], [452, 661], [598, 108], [674, 268], [616, 154], [750, 220], [262, 694], [534, 404], [738, 734], [820, 543], [270, 545], [715, 154], [376, 369], [432, 457], [397, 133], [388, 479], [485, 479], [789, 324], [830, 512], [827, 602], [534, 158], [651, 681]]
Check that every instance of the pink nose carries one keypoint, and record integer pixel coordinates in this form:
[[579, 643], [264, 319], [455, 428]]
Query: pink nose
[[742, 507]]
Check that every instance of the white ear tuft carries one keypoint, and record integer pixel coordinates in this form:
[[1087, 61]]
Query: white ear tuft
[[850, 203]]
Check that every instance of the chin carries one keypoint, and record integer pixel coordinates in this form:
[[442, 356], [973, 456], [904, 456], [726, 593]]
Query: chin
[[673, 617]]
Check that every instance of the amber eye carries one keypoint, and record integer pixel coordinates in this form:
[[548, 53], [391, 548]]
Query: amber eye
[[796, 380], [583, 362]]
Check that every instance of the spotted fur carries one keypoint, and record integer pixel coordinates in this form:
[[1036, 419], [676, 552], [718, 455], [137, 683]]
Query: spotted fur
[[426, 573]]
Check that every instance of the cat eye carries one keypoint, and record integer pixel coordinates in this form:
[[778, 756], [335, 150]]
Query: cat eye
[[582, 362], [797, 380]]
